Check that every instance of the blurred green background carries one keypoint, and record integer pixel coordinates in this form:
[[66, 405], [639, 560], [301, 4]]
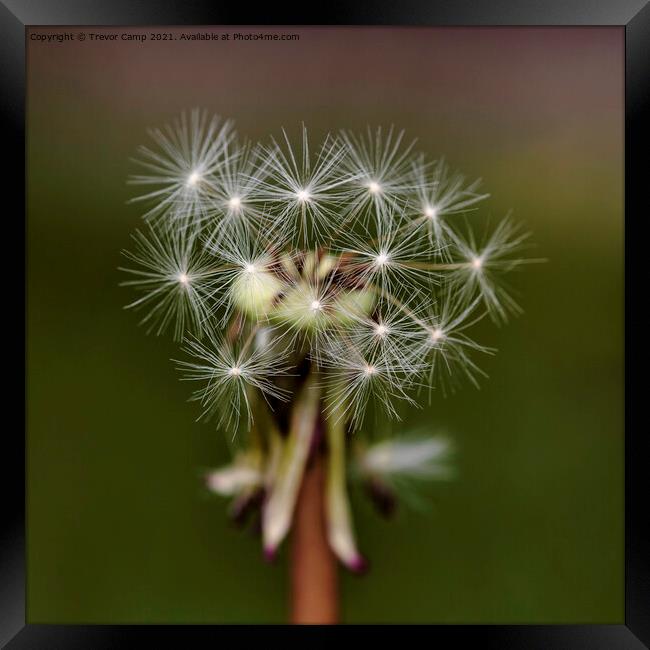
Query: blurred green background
[[119, 528]]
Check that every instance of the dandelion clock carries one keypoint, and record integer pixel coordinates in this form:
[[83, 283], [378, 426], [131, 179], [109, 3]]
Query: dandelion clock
[[318, 290]]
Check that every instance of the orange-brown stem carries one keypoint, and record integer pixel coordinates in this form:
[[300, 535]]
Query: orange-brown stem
[[314, 579]]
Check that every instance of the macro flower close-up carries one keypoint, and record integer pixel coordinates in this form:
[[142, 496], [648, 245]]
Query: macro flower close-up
[[317, 290], [323, 326]]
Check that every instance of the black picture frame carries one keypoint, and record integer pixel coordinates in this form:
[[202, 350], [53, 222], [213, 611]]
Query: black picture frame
[[631, 15]]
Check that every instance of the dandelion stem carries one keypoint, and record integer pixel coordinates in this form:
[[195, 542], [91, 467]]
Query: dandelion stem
[[314, 579]]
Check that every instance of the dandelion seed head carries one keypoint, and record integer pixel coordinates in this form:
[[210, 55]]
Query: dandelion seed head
[[339, 249], [341, 278]]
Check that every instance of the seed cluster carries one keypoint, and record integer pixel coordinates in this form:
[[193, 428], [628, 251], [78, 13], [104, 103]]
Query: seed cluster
[[349, 268]]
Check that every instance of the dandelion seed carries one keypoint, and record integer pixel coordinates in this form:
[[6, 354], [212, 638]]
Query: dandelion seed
[[303, 190], [393, 260], [440, 196], [236, 209], [176, 277], [379, 167], [250, 276], [442, 345], [485, 263], [355, 379], [227, 372], [180, 169], [307, 306]]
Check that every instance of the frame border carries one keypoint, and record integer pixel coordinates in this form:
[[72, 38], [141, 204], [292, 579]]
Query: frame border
[[632, 15]]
